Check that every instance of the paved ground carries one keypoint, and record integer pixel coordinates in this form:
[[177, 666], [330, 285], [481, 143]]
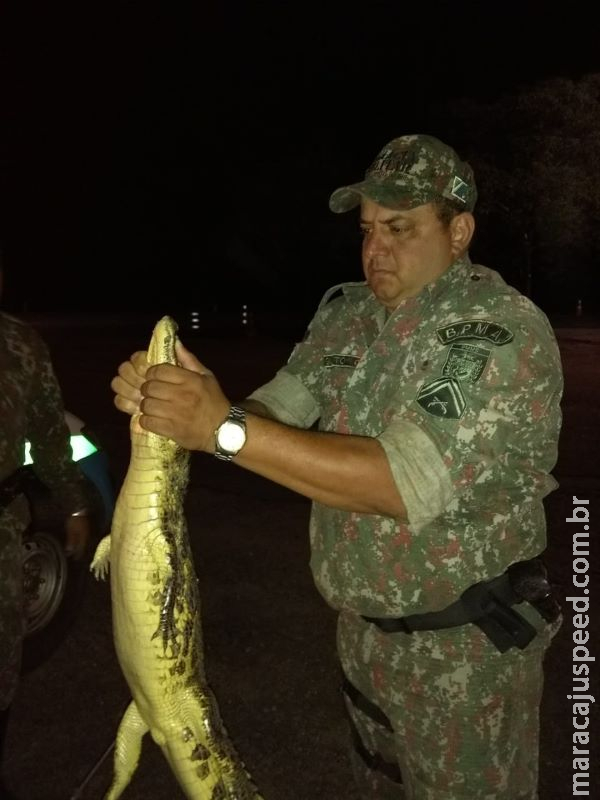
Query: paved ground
[[269, 637]]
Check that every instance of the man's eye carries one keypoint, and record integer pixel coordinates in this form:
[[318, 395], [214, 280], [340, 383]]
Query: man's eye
[[364, 232], [399, 228]]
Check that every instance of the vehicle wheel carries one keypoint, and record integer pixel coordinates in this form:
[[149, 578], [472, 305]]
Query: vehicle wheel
[[53, 590], [54, 585]]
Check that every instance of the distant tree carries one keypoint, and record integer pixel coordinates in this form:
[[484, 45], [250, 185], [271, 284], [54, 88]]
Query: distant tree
[[536, 154]]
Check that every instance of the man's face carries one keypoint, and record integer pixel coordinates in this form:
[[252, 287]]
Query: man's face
[[403, 251]]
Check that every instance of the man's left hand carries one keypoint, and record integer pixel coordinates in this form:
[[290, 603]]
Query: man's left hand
[[78, 531]]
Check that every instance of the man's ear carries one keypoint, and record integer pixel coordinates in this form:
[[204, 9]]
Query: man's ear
[[462, 228]]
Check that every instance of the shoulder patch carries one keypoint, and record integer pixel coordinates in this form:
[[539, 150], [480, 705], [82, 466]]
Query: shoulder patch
[[466, 362], [442, 397], [474, 329]]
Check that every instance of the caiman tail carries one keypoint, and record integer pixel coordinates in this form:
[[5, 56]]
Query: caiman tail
[[156, 620]]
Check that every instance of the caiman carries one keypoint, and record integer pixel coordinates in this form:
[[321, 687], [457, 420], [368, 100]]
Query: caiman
[[156, 619]]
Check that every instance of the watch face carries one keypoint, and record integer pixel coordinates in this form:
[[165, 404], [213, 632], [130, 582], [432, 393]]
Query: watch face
[[231, 436]]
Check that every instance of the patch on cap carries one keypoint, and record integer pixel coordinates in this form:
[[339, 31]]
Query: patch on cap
[[460, 189], [389, 164]]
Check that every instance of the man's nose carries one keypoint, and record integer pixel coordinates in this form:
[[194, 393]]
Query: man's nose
[[375, 243]]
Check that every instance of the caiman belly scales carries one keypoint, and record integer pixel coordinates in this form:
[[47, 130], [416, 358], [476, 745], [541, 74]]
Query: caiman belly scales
[[156, 620]]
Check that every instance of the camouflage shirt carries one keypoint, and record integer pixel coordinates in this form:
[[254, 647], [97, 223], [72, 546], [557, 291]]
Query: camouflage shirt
[[31, 408], [461, 385]]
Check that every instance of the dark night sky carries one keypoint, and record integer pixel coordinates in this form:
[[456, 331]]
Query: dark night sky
[[139, 141]]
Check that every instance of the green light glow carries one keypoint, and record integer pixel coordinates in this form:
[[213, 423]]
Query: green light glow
[[80, 445]]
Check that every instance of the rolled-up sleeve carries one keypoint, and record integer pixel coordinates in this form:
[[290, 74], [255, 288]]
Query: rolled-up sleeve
[[288, 400], [419, 472], [293, 395]]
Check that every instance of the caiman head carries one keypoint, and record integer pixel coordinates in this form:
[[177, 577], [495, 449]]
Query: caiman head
[[161, 349]]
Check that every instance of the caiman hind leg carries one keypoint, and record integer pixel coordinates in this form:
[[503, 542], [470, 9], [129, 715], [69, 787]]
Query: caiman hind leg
[[128, 748]]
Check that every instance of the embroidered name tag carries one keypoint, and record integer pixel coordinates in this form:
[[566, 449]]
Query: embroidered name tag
[[466, 362], [340, 361], [442, 398], [474, 329]]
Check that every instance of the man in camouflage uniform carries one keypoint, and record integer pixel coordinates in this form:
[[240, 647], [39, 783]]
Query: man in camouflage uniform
[[436, 388], [30, 408]]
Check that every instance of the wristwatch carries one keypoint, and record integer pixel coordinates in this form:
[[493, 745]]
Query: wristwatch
[[230, 436]]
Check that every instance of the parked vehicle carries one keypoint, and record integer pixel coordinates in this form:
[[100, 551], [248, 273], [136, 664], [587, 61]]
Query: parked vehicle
[[54, 584]]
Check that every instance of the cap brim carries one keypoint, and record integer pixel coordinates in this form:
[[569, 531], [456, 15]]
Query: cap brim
[[391, 196]]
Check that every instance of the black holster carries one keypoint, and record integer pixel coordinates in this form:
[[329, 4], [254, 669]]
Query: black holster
[[489, 605]]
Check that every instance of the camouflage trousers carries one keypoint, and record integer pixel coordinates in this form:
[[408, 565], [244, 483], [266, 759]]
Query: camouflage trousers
[[11, 613], [462, 718]]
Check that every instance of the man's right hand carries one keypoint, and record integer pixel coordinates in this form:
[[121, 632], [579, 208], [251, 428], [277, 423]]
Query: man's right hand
[[127, 384]]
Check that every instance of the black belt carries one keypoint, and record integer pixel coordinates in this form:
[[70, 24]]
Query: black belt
[[487, 604]]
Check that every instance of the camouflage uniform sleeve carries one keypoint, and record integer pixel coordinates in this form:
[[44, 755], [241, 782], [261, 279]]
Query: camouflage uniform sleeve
[[292, 395], [419, 471], [288, 400], [486, 414], [49, 435]]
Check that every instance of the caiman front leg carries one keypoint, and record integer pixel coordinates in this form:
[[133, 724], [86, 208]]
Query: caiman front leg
[[101, 561], [128, 748]]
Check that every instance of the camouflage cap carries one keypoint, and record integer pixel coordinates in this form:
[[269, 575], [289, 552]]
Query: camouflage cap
[[411, 171]]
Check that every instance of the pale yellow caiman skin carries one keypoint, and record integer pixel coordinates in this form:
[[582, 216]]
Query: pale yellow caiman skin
[[156, 620]]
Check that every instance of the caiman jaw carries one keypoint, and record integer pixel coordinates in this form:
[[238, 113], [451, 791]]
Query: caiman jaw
[[161, 350]]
